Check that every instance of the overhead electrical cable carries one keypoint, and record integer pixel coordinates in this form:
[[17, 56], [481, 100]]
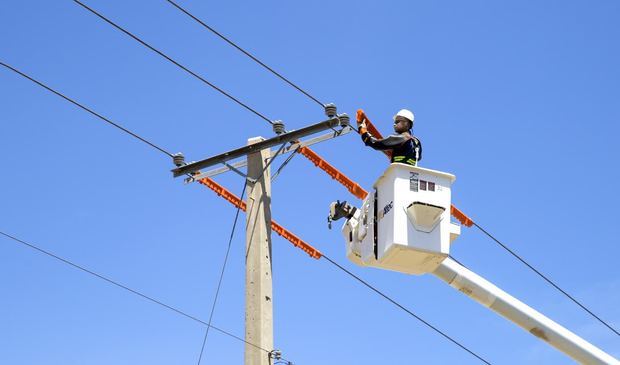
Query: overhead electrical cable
[[468, 222], [546, 278], [154, 300], [115, 283], [87, 109], [227, 40], [385, 296], [317, 101], [170, 59], [208, 324], [170, 155], [219, 283]]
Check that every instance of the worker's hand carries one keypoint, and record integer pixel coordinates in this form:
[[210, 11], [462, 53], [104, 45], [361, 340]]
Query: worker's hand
[[363, 125], [362, 128]]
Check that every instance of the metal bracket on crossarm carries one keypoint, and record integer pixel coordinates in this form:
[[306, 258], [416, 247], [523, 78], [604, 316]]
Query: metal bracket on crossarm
[[293, 147]]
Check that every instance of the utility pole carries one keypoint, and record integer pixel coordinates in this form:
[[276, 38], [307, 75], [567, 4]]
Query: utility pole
[[258, 284]]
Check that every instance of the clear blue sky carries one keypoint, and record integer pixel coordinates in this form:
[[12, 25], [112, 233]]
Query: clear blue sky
[[518, 99]]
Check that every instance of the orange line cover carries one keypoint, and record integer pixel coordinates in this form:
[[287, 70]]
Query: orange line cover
[[283, 232], [318, 161], [361, 116], [461, 217]]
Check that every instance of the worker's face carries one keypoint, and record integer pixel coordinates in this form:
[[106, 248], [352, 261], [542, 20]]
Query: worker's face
[[401, 124]]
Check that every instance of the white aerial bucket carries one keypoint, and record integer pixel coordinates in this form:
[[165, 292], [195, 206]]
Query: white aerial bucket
[[404, 224]]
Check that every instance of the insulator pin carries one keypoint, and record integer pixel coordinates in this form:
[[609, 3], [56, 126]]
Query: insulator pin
[[178, 159], [278, 127], [330, 110]]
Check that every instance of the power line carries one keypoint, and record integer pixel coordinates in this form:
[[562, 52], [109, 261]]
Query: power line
[[208, 324], [87, 109], [144, 296], [186, 12], [244, 52], [174, 62], [365, 283], [171, 155], [317, 101], [514, 254], [165, 305], [219, 283], [457, 261], [201, 22]]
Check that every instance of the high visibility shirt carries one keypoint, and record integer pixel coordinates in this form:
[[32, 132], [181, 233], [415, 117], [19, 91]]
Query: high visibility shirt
[[405, 148]]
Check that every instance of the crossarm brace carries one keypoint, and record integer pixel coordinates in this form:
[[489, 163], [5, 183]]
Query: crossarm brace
[[192, 167]]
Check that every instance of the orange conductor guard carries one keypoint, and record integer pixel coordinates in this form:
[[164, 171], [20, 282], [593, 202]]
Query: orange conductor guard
[[283, 232]]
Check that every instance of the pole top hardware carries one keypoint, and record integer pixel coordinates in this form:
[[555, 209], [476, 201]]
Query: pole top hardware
[[268, 143], [331, 110], [277, 356], [293, 147], [178, 159], [278, 127]]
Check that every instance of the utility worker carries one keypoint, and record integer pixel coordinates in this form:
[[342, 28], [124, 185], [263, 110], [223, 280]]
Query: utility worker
[[404, 146]]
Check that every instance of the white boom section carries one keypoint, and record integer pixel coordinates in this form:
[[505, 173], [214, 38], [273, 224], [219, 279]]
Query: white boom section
[[404, 226], [534, 322]]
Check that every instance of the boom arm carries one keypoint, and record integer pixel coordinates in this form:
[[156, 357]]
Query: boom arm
[[502, 303]]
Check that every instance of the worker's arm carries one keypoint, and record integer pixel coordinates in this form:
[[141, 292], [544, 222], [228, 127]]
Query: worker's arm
[[417, 145], [388, 143]]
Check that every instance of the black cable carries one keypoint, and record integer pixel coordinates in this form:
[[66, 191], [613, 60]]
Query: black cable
[[170, 155], [283, 165], [457, 261], [144, 296], [405, 309], [244, 52], [219, 283], [546, 279], [87, 109], [208, 324], [174, 62]]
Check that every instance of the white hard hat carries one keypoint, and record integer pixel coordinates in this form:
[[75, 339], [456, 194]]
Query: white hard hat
[[406, 114]]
